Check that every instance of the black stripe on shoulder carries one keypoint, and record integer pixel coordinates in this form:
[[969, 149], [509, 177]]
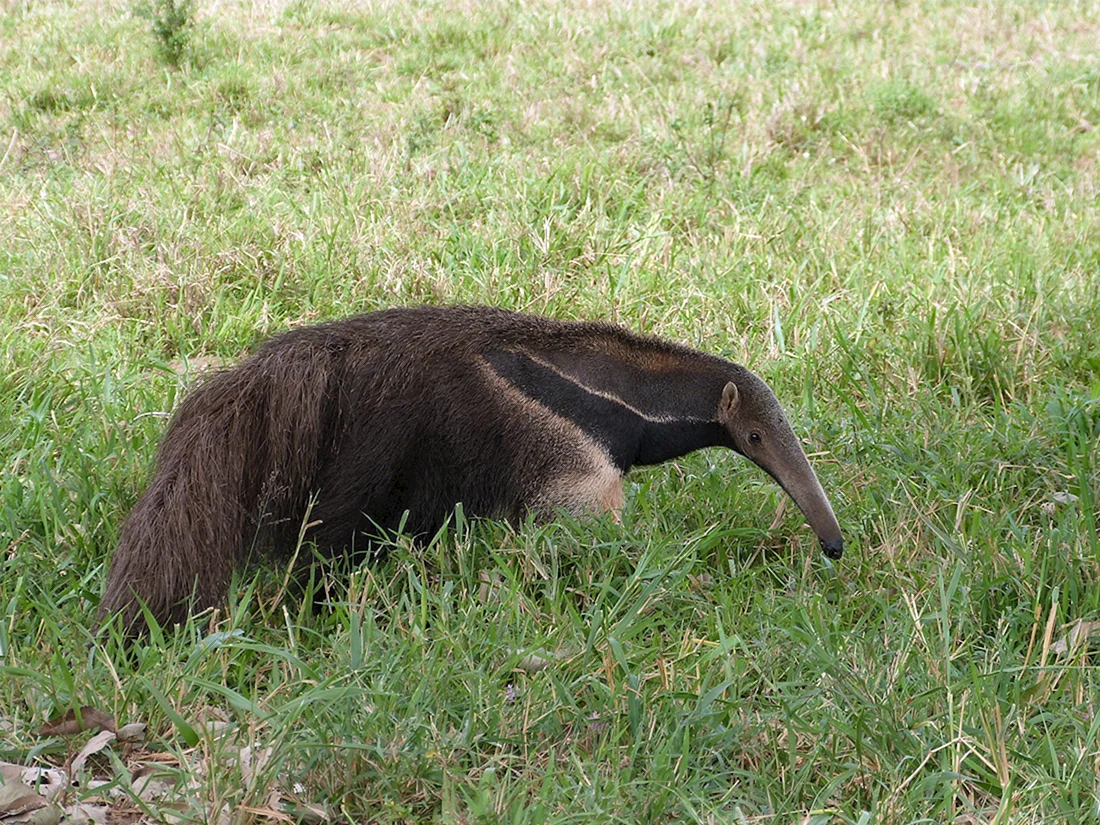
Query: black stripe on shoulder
[[664, 440], [611, 424]]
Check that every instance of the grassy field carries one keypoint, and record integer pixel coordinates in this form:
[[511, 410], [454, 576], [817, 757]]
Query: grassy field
[[891, 211]]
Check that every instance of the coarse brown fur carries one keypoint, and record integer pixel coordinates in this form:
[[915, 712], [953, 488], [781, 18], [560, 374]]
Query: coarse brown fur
[[386, 421]]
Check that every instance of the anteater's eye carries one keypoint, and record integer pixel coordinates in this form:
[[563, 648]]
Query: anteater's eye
[[754, 438]]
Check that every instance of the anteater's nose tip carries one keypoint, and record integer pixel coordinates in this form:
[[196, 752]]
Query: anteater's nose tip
[[834, 548]]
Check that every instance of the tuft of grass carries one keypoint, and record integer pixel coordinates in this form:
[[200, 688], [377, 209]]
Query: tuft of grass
[[900, 100], [171, 22]]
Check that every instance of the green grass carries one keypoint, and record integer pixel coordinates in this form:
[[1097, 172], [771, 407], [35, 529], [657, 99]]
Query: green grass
[[890, 211]]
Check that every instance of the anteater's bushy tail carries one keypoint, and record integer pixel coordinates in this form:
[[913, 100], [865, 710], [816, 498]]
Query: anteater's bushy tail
[[241, 451]]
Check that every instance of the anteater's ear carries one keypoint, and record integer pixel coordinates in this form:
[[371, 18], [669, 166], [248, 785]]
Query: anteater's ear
[[731, 398]]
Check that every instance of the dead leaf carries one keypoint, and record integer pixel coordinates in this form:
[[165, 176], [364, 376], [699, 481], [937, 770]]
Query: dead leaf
[[48, 782], [266, 813], [48, 815], [540, 660], [174, 812], [93, 746], [1077, 633], [251, 763], [19, 805], [151, 788], [214, 722], [295, 810], [702, 582], [82, 814], [70, 722], [11, 796], [133, 732], [488, 591]]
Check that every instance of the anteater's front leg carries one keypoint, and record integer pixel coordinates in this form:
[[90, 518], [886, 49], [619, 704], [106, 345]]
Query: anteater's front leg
[[587, 483]]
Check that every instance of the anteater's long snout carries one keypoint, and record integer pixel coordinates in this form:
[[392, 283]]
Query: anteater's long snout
[[814, 504], [796, 476]]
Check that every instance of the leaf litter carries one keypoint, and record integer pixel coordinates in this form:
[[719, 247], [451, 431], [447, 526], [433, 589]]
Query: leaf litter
[[90, 791]]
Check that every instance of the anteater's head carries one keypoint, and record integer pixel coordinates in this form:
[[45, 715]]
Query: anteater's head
[[759, 431]]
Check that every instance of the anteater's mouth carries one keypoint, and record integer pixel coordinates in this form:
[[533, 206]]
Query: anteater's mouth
[[834, 548]]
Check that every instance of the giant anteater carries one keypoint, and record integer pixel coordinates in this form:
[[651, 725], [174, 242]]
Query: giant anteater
[[388, 420]]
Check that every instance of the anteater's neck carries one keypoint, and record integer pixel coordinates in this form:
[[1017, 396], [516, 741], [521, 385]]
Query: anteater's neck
[[664, 440], [641, 410]]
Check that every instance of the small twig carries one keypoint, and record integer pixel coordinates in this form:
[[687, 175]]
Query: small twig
[[11, 144], [9, 552]]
